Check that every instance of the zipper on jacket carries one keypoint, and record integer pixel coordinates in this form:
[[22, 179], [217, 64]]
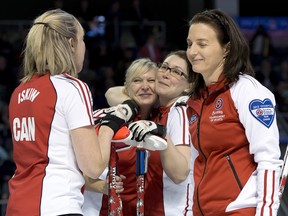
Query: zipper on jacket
[[234, 171], [199, 146]]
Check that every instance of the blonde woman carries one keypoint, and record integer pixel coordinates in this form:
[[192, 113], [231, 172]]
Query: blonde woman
[[140, 86], [50, 113]]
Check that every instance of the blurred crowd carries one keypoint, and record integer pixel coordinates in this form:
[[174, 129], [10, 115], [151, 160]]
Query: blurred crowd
[[110, 50]]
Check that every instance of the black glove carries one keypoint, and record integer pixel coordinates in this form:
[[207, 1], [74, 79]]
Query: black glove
[[99, 114], [141, 128], [118, 115]]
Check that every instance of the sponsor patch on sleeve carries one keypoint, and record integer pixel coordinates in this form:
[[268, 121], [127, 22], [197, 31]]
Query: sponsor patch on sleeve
[[263, 111]]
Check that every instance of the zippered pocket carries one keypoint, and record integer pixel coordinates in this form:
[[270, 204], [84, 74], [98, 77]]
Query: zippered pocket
[[234, 171]]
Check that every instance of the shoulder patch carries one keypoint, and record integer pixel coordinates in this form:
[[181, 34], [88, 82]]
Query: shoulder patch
[[192, 119], [263, 111]]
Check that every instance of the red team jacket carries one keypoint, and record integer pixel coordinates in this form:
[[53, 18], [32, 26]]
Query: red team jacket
[[234, 129]]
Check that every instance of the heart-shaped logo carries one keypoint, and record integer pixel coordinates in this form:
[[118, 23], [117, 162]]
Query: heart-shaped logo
[[263, 111]]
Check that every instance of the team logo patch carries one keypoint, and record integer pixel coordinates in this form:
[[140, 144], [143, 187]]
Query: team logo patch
[[218, 103], [263, 111], [192, 119]]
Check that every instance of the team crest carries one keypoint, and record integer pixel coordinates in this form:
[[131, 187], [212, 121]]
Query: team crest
[[218, 103], [192, 119], [263, 111]]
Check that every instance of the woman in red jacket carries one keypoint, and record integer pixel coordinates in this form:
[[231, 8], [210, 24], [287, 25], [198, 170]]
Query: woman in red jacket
[[232, 123]]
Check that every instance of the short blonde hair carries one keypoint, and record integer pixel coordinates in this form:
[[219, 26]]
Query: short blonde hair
[[47, 47], [137, 68]]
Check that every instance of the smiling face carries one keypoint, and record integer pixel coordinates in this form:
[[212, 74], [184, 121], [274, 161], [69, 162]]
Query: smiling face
[[142, 89], [205, 52], [169, 87]]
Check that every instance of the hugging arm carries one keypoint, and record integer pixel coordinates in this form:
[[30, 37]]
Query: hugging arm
[[116, 95]]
